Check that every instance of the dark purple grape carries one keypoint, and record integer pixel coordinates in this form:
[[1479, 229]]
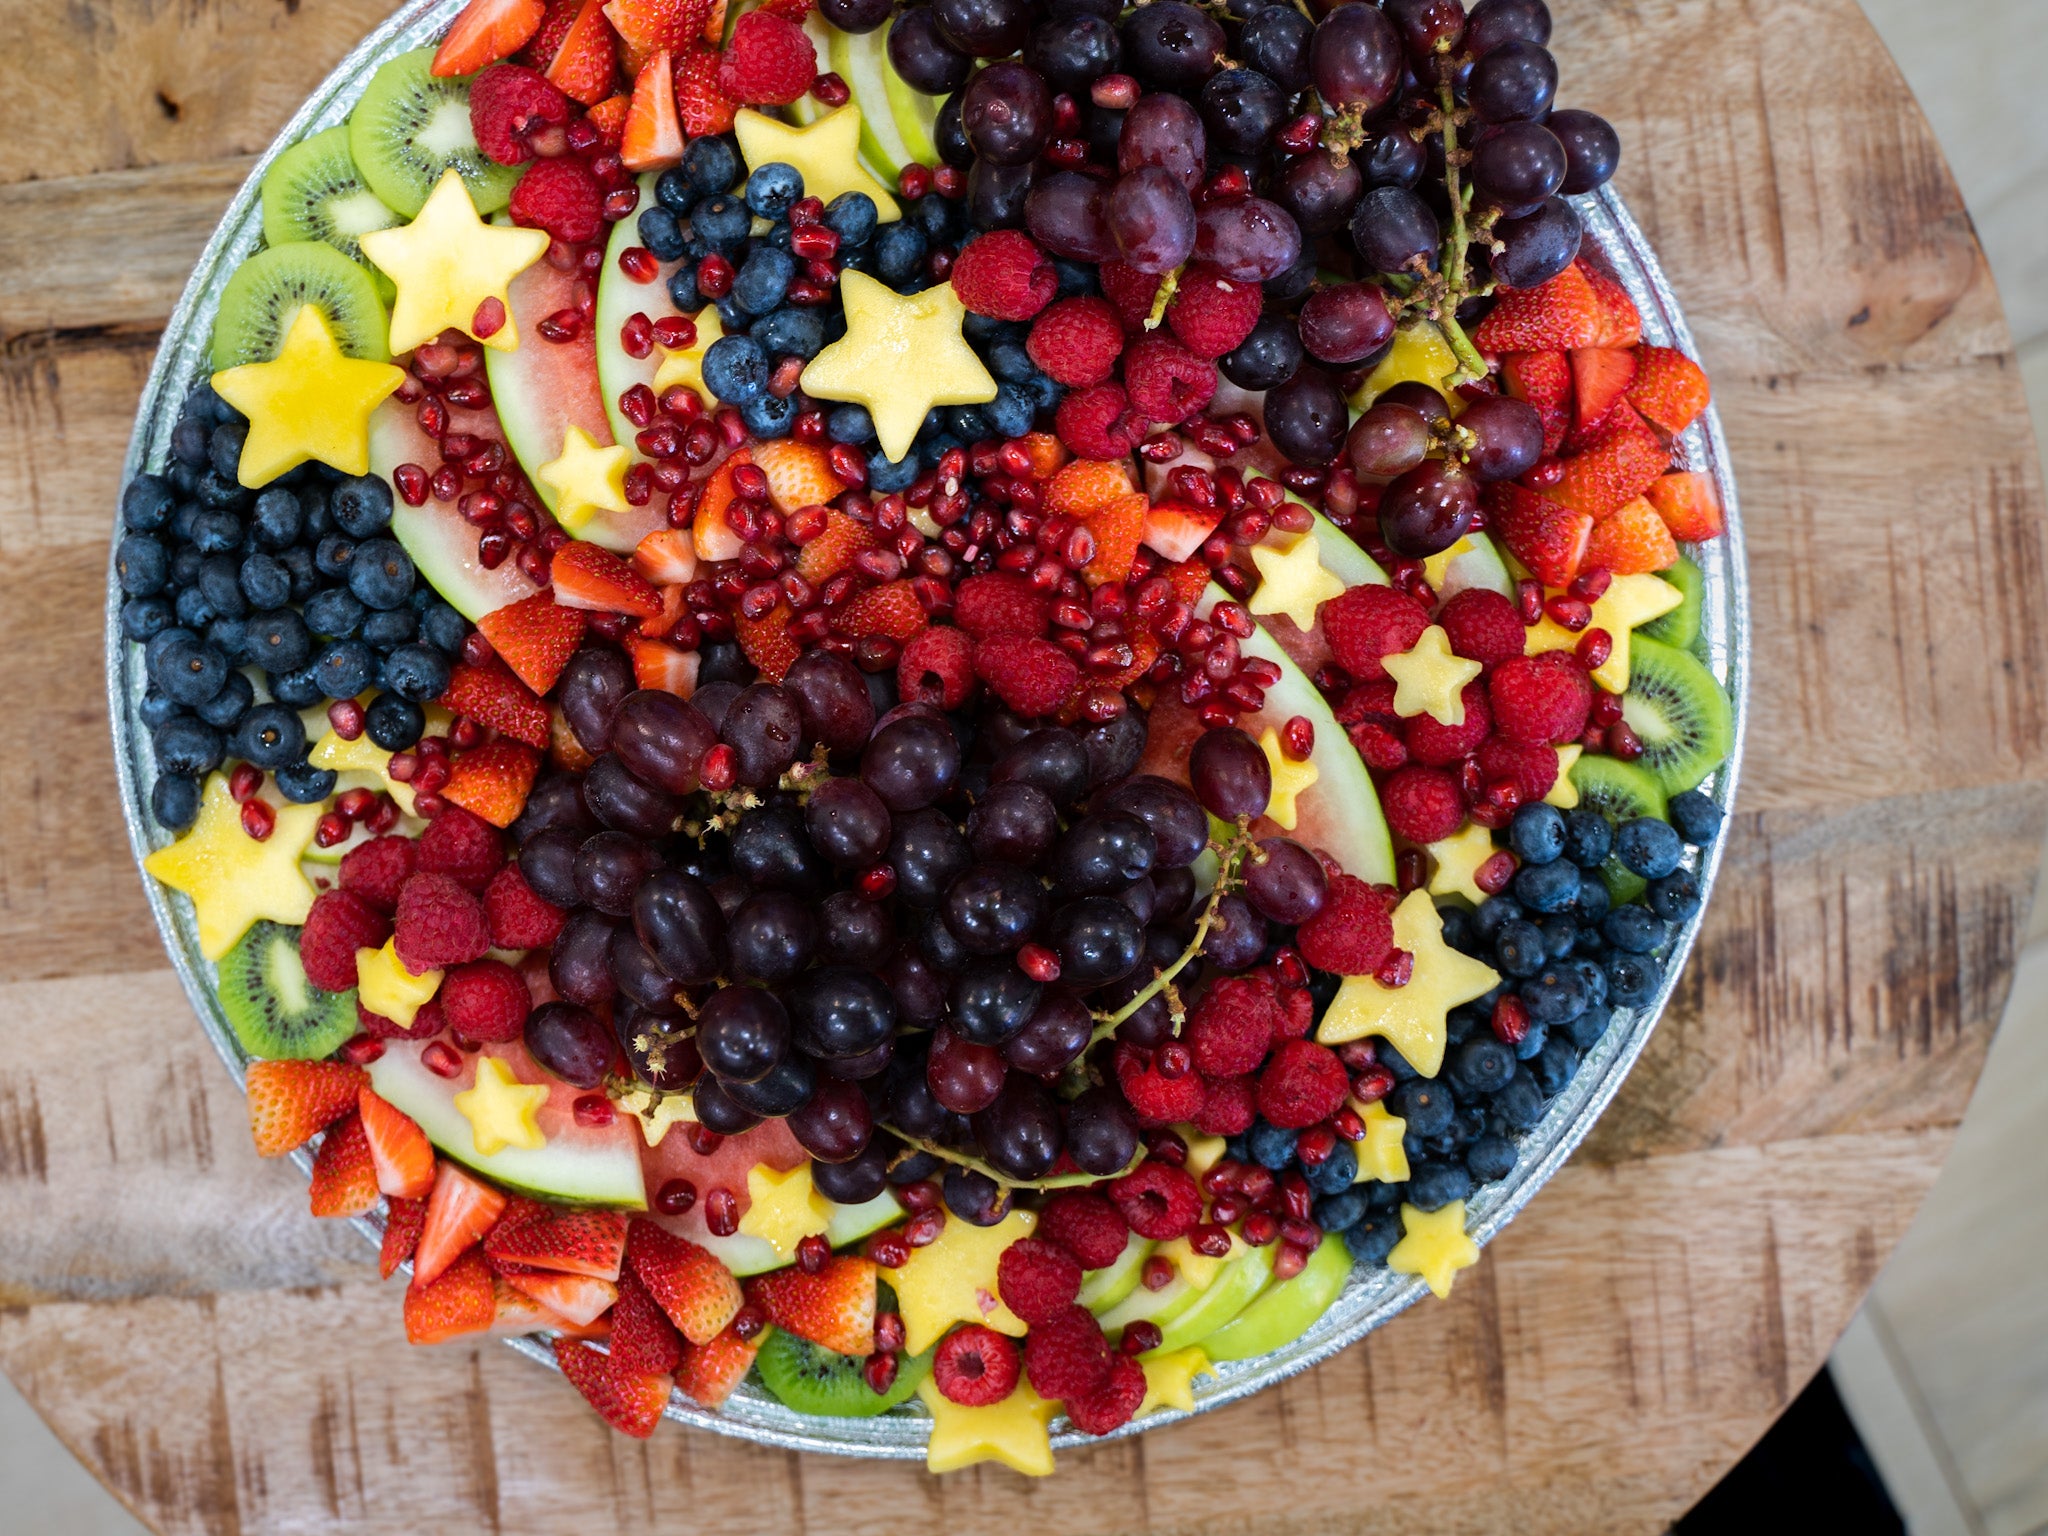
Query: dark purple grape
[[1105, 125], [785, 1090], [1319, 192], [928, 854], [1150, 216], [1346, 323], [856, 1181], [1275, 42], [1014, 823], [1494, 22], [1056, 1034], [1242, 109], [1007, 112], [1098, 940], [548, 863], [1293, 285], [1020, 1131], [912, 762], [964, 1077], [742, 1032], [1173, 891], [1507, 437], [1391, 156], [1237, 935], [1307, 418], [661, 739], [920, 991], [1539, 246], [832, 700], [765, 730], [854, 931], [1140, 897], [1073, 52], [1428, 509], [678, 919], [1250, 239], [1517, 164], [729, 891], [835, 1124], [1266, 358], [841, 1012], [1068, 214], [712, 700], [855, 15], [1150, 1026], [923, 57], [770, 851], [997, 194], [608, 869], [1114, 747], [907, 1093], [1102, 1138], [624, 804], [993, 908], [998, 729], [580, 963], [974, 1197], [718, 1111], [1393, 230], [772, 937], [991, 1000], [1516, 81], [1285, 882], [1389, 439], [935, 941], [950, 135], [1592, 149], [1355, 59], [571, 1042], [1421, 398], [1180, 829], [1171, 46], [1230, 774], [1429, 28], [639, 975], [988, 29], [556, 801], [847, 822], [591, 688], [660, 1049], [1053, 759], [1103, 853]]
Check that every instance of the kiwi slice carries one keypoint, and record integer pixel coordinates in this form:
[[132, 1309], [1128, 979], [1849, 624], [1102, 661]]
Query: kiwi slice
[[267, 291], [313, 191], [813, 1379], [1620, 791], [278, 1014], [411, 128], [1679, 711], [1681, 626]]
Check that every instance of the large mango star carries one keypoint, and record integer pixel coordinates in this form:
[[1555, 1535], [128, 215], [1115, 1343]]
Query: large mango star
[[448, 264], [586, 479], [1628, 603], [1290, 778], [364, 758], [1458, 859], [501, 1110], [685, 365], [1293, 581], [1429, 678], [826, 154], [1412, 1018], [953, 1280], [900, 356], [1012, 1431], [783, 1208], [1434, 1245], [233, 879], [388, 989], [311, 401]]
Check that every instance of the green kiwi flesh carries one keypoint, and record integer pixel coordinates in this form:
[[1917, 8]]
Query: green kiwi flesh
[[267, 291], [812, 1379], [1620, 791], [277, 1013], [1681, 626], [412, 127], [1680, 713], [313, 191]]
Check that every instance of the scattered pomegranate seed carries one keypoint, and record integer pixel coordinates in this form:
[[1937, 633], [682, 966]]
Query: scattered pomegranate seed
[[1593, 649], [1623, 742], [877, 882], [1410, 870], [922, 1196], [1157, 1274], [923, 1229], [1292, 1257], [1166, 1146], [748, 1322], [442, 1059], [362, 1050], [714, 276], [1570, 612], [1039, 963], [1142, 1333], [879, 1369], [1510, 1019], [489, 319], [1348, 1126], [638, 263], [1591, 585], [721, 1213], [1493, 876], [1260, 1228], [1114, 93], [245, 782], [259, 820], [914, 182], [331, 830], [1606, 709], [1372, 1085], [812, 1252], [888, 1250], [889, 1331]]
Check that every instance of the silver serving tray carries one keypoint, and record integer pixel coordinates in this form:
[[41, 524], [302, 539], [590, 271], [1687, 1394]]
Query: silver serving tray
[[1372, 1297]]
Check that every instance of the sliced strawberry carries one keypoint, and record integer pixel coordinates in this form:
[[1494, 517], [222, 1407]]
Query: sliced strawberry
[[403, 1156], [673, 606], [833, 550], [1669, 390], [572, 1241], [652, 25], [657, 664], [1689, 505], [585, 65], [402, 1222], [519, 1313], [1562, 313], [1600, 376], [461, 1209], [608, 117], [799, 474], [1632, 541], [458, 1300], [890, 610], [667, 557], [702, 106], [547, 39], [1085, 486], [834, 1308], [291, 1102], [492, 696], [714, 22], [767, 643], [588, 576], [1615, 469], [653, 138], [484, 32], [493, 780], [697, 1292], [630, 1403], [535, 637], [1621, 324], [344, 1179], [711, 1370], [1544, 379], [643, 1339], [710, 530], [582, 1299], [1117, 528], [1547, 538]]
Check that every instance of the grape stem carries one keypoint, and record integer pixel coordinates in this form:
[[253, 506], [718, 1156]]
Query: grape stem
[[1051, 1181], [1456, 278], [1232, 854]]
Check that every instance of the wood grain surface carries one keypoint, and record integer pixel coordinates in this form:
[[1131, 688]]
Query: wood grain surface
[[228, 1364]]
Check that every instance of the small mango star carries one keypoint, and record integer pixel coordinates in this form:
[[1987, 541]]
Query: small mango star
[[685, 365], [826, 154], [501, 1110], [901, 355], [1412, 1018], [386, 988], [311, 401], [1293, 581], [1013, 1432], [953, 1280], [586, 479], [361, 757], [449, 266], [784, 1207], [1383, 1154], [1628, 603], [1170, 1379], [1564, 794], [1429, 678], [656, 1114], [233, 879], [1458, 859], [1434, 1245], [1290, 778]]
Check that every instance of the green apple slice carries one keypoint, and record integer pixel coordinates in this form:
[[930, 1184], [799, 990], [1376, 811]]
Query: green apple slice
[[1243, 1279], [1103, 1288], [861, 60], [1287, 1310], [807, 109], [1161, 1306]]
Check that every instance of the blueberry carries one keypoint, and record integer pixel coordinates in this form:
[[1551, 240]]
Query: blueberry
[[1632, 979], [850, 424], [1697, 818], [185, 745], [220, 581], [1537, 833], [735, 369], [1531, 1041], [191, 671], [305, 579], [1075, 280], [1335, 1173], [1555, 1065], [722, 223], [988, 331], [899, 253], [1490, 1157], [933, 214], [381, 574], [662, 233], [224, 448], [683, 291], [361, 506], [188, 441], [1395, 1062], [1492, 915], [790, 332], [185, 563], [1560, 937], [303, 784], [763, 279], [146, 503], [389, 628], [1480, 1066], [711, 165], [316, 512], [1588, 838], [277, 641], [1585, 1031], [1461, 1023], [394, 723], [1010, 413], [298, 687], [1675, 896], [215, 494], [216, 533], [886, 475], [142, 617], [230, 638], [852, 217], [1340, 1211], [967, 423], [142, 565], [278, 519], [443, 628], [1595, 980], [673, 191], [1557, 996], [192, 608], [334, 613], [1634, 929], [772, 188], [333, 556], [1650, 847], [156, 708], [159, 644], [1433, 1185], [1594, 898], [1520, 1104], [1270, 1146], [174, 801], [1519, 948], [1424, 1103], [1546, 888], [1458, 932], [416, 672], [270, 736], [344, 668], [1373, 1238], [1010, 363], [264, 581], [731, 318]]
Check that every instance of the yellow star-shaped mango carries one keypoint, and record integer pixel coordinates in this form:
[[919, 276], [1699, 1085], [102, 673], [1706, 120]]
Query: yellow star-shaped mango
[[784, 1208], [1290, 778], [1434, 1245], [1170, 1379], [364, 757], [901, 355], [953, 1280], [311, 401], [1204, 1152], [1564, 794], [1436, 567], [826, 154], [586, 479], [1293, 581], [656, 1115], [1199, 1269], [1382, 1155], [447, 263], [388, 989], [1457, 859], [233, 879], [1419, 355], [1628, 603], [1430, 678], [1013, 1431], [500, 1109], [1410, 1018], [686, 366]]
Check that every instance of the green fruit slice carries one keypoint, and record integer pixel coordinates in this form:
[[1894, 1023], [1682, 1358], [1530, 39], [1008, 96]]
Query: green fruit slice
[[619, 298], [313, 191], [861, 59], [1161, 1306], [275, 1011], [1479, 566], [813, 1379], [411, 128], [1286, 1311], [1681, 713], [916, 114], [267, 291], [1234, 1289], [1620, 791], [441, 543], [1681, 626], [1103, 1288]]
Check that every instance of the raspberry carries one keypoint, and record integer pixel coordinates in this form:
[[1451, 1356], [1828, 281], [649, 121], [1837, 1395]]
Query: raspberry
[[1229, 1107], [439, 924], [426, 1024], [1098, 423], [1167, 382], [463, 847], [1211, 313], [1531, 768], [561, 197], [1372, 702], [892, 609], [506, 103], [1303, 1084], [1297, 1013], [1431, 741], [975, 1366], [1160, 1201], [1113, 1404], [519, 917], [1005, 276], [1232, 1028], [1368, 623], [1131, 292], [1354, 932], [1422, 804], [485, 1001], [1540, 699], [1001, 603], [1077, 341], [1033, 677], [378, 869], [340, 923], [1037, 1280], [770, 60], [1482, 626], [1067, 1356], [1084, 1223], [1155, 1098], [937, 667]]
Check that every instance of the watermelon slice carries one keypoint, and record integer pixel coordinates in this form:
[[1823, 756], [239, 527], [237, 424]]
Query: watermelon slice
[[1342, 558], [618, 299], [441, 544]]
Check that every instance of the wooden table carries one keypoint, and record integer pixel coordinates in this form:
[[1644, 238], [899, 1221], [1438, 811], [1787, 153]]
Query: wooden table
[[225, 1363]]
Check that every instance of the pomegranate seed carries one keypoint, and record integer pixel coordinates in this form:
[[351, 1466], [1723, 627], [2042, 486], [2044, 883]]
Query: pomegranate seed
[[720, 768], [1372, 1085], [1142, 1333], [1114, 93], [783, 381], [879, 1369], [1593, 649], [1570, 612], [1039, 963], [1529, 600], [1606, 709], [1493, 876], [355, 804], [1314, 1146], [1592, 585], [923, 1229], [1623, 742], [1228, 185], [1256, 1184], [1295, 1195], [949, 181], [362, 1050], [812, 1252], [1166, 1146], [1410, 870], [563, 325], [831, 91], [750, 1319], [1301, 1233], [259, 820], [638, 263], [922, 1196], [1260, 1228], [814, 242], [1220, 1178], [704, 1141], [1510, 1019], [412, 484], [1348, 1126], [330, 830], [721, 1213], [442, 1059], [889, 1331], [1226, 1208], [1211, 1240], [1299, 135], [489, 319], [876, 883], [619, 204], [383, 818], [637, 335], [888, 1250], [1158, 1274], [714, 276], [245, 782], [1289, 1261]]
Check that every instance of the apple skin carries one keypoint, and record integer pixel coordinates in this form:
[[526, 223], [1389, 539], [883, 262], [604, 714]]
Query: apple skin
[[1287, 1310]]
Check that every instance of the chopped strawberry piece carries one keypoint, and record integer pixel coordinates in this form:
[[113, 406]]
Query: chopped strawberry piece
[[1689, 505], [711, 1370], [1544, 379], [582, 1299], [631, 1403], [653, 138], [566, 1240], [403, 1156], [702, 106], [1547, 538], [890, 610], [402, 1222], [1600, 377], [588, 576], [643, 1339], [657, 664], [766, 642], [458, 1300], [1618, 467], [608, 117], [834, 1307], [799, 474], [1670, 389], [535, 637], [698, 1293], [1118, 528], [651, 25], [484, 32], [667, 557], [492, 696], [833, 550], [493, 780], [344, 1179], [1621, 324], [1562, 313], [1632, 541], [291, 1102], [585, 65], [461, 1209], [710, 530]]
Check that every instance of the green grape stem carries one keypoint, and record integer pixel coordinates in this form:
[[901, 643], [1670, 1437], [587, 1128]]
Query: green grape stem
[[1232, 855], [1003, 1181]]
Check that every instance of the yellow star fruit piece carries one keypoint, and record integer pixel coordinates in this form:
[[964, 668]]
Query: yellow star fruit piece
[[1290, 778], [826, 155], [1419, 355], [1293, 581], [1013, 1432], [311, 401], [1382, 1155], [1429, 678], [1410, 1018], [1457, 859], [953, 1280], [1564, 794], [1433, 1245], [233, 879], [501, 1110], [388, 989], [1170, 1379], [656, 1115], [447, 263], [1628, 603], [901, 355], [586, 479], [685, 365], [364, 758], [784, 1208]]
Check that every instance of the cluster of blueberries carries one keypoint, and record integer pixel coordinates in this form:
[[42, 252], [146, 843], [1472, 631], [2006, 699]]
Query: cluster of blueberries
[[702, 208], [1570, 962], [301, 582]]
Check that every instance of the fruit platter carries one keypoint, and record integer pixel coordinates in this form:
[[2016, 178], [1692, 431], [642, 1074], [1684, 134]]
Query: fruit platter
[[928, 731]]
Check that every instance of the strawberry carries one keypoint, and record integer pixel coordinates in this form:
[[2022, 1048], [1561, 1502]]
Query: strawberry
[[546, 41], [1544, 379], [571, 1241], [460, 1299], [493, 780], [1618, 467], [608, 117], [712, 1369], [1118, 528], [712, 534], [344, 1179], [1547, 538], [673, 607], [834, 1308], [1689, 505], [667, 557], [650, 26], [799, 474], [402, 1222], [588, 576], [697, 1292], [833, 550], [582, 1299], [714, 22], [585, 64], [1564, 312], [1600, 376], [494, 697], [702, 106], [657, 664], [1632, 541], [653, 138], [535, 637], [291, 1102], [1086, 485], [403, 1156], [631, 1403], [484, 32], [643, 1339], [892, 610], [1621, 325], [1670, 389], [766, 642], [461, 1209]]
